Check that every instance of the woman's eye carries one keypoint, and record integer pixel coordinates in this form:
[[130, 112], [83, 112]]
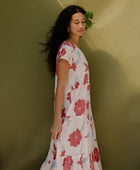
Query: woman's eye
[[79, 22]]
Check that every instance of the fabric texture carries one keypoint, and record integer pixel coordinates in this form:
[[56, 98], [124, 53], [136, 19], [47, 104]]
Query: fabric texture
[[77, 147]]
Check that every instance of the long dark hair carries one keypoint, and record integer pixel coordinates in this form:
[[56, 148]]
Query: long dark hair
[[57, 34]]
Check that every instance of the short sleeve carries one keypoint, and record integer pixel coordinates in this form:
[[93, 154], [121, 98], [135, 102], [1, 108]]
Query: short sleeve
[[65, 52]]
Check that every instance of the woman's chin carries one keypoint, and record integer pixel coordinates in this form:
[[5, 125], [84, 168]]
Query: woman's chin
[[80, 34]]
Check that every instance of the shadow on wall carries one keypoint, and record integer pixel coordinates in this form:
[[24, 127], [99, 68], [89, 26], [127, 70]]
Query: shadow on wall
[[130, 136], [1, 162], [115, 107]]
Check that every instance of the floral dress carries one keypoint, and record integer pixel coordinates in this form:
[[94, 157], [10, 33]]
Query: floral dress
[[77, 147]]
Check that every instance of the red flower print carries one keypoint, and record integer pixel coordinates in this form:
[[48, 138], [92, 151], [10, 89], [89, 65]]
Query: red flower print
[[77, 84], [87, 104], [81, 161], [73, 66], [75, 138], [87, 68], [63, 115], [61, 53], [67, 163], [72, 88], [86, 78], [79, 107], [63, 153], [54, 152], [49, 162], [96, 154], [88, 116], [91, 161], [54, 147], [88, 87], [69, 97]]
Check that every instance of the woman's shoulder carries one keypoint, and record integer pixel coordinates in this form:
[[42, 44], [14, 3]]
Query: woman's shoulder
[[67, 45]]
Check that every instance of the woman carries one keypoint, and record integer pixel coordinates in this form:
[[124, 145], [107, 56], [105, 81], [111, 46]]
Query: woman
[[73, 142]]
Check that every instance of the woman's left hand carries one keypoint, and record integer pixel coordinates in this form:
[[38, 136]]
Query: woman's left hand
[[56, 130]]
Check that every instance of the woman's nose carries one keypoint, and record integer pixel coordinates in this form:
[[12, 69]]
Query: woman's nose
[[81, 25]]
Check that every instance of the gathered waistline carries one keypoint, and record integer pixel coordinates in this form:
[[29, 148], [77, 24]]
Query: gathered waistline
[[75, 117], [70, 87]]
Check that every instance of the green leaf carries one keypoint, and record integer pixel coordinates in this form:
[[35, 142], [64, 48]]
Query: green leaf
[[89, 19]]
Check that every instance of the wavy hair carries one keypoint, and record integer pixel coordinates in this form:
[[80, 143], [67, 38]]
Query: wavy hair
[[57, 34]]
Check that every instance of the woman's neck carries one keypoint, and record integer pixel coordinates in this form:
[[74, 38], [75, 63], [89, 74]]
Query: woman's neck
[[74, 40]]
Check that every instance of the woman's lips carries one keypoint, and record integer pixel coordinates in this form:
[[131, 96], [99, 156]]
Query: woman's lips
[[80, 30]]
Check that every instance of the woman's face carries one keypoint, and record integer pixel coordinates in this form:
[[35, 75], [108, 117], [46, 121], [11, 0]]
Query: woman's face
[[77, 25]]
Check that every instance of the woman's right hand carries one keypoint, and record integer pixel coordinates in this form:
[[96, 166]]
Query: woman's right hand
[[56, 130]]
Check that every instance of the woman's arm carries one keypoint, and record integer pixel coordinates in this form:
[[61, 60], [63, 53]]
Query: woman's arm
[[62, 73], [62, 68]]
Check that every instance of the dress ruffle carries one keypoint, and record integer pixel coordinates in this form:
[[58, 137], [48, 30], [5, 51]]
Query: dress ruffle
[[89, 161]]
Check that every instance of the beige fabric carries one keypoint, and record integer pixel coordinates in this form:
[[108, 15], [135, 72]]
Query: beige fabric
[[26, 96]]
